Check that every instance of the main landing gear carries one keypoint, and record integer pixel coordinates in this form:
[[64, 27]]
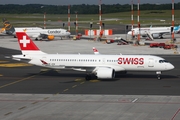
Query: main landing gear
[[90, 77], [161, 37], [158, 75]]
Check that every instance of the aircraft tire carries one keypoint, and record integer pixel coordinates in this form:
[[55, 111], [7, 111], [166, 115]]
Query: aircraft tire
[[159, 77]]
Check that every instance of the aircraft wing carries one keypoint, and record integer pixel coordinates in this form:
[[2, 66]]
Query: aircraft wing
[[94, 69], [160, 32], [32, 35], [157, 34], [42, 35]]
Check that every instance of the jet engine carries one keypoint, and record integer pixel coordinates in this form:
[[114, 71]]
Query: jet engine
[[156, 35], [50, 37], [105, 73]]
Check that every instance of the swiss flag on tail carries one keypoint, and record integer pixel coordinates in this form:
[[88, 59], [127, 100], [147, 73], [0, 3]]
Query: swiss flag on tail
[[25, 42]]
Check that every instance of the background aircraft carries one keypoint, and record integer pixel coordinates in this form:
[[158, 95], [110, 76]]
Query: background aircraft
[[154, 32], [35, 32], [10, 30], [101, 66]]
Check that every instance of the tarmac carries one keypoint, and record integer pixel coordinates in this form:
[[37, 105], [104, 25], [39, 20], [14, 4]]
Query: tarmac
[[88, 107], [84, 46], [62, 106]]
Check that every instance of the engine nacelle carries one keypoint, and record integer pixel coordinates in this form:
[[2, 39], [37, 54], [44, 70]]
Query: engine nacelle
[[50, 37], [105, 73], [155, 35]]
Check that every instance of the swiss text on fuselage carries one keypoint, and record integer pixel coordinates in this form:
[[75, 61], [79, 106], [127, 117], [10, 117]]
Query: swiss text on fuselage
[[133, 61]]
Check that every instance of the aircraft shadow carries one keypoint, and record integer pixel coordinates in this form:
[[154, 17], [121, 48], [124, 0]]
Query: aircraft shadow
[[118, 76]]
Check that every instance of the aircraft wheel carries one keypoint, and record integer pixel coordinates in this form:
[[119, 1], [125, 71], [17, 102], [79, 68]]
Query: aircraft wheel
[[159, 77]]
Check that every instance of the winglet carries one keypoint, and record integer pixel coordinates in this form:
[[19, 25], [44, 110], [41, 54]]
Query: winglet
[[95, 51]]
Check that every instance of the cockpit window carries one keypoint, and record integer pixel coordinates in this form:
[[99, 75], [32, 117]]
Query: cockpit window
[[163, 61]]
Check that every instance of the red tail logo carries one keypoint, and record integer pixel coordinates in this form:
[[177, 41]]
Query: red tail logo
[[25, 42]]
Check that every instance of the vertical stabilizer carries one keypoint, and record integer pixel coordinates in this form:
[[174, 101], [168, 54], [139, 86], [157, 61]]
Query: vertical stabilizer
[[8, 27], [27, 46]]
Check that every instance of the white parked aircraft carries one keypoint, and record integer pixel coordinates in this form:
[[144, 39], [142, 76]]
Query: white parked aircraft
[[153, 32], [35, 32], [49, 34], [102, 66]]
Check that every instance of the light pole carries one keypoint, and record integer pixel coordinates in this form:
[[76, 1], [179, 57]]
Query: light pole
[[44, 18], [76, 22], [69, 19], [90, 28]]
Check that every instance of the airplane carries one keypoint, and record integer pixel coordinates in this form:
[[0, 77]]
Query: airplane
[[49, 34], [101, 66], [153, 32], [36, 32]]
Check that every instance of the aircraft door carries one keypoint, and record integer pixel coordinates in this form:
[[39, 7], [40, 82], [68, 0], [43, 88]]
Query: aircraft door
[[44, 58], [151, 62], [103, 60]]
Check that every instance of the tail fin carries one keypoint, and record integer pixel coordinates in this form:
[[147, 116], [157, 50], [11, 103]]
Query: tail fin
[[8, 27], [27, 46], [95, 51], [177, 29]]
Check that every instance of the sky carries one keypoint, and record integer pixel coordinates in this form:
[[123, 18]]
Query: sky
[[72, 2]]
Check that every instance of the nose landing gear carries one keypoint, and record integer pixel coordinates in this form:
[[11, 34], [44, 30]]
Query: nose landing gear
[[158, 75]]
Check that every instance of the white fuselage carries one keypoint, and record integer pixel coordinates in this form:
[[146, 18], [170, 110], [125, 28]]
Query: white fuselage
[[91, 62], [153, 30], [21, 29], [102, 66], [55, 32]]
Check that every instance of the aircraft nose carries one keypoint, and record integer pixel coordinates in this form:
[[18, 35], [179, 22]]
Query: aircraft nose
[[129, 33], [170, 66]]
